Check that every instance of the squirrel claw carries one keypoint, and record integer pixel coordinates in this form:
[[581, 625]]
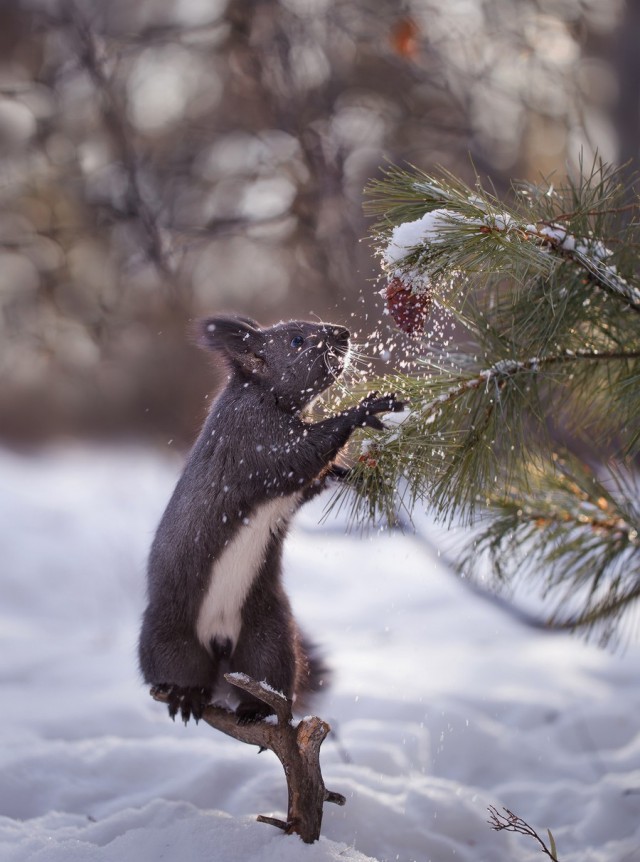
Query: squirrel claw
[[375, 403], [189, 702], [374, 422]]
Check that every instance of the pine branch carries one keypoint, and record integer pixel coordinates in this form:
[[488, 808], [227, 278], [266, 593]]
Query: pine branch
[[603, 211], [546, 289], [469, 231], [458, 437], [581, 532]]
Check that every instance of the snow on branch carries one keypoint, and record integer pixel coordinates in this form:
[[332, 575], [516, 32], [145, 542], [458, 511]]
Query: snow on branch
[[504, 369], [547, 365], [410, 244]]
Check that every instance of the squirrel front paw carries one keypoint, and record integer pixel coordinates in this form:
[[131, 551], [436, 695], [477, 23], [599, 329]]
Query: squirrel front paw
[[375, 403], [189, 702]]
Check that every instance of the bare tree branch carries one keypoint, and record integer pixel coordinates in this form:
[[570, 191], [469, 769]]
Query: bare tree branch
[[296, 744], [114, 114]]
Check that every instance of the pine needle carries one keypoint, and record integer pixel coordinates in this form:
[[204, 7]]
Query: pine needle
[[547, 374]]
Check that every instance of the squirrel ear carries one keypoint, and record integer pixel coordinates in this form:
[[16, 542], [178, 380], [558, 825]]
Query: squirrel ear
[[238, 338], [248, 320]]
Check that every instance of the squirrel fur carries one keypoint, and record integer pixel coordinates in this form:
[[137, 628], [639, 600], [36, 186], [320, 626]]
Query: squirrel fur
[[216, 601]]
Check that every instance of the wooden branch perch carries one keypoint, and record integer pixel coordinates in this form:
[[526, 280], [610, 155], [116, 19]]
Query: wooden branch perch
[[295, 743]]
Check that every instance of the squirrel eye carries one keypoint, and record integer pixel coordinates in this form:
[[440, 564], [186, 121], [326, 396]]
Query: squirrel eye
[[297, 341]]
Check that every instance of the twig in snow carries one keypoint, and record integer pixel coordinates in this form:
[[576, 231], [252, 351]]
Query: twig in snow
[[510, 822]]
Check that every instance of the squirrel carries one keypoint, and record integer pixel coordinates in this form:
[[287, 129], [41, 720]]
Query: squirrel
[[216, 601]]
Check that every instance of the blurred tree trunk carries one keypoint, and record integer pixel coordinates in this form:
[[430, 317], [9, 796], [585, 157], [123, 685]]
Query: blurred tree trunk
[[626, 63], [261, 43]]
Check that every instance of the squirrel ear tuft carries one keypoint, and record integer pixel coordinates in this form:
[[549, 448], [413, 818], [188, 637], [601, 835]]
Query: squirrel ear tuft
[[232, 334], [248, 320], [238, 338]]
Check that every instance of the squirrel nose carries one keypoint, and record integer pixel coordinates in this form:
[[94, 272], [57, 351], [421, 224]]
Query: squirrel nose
[[341, 335]]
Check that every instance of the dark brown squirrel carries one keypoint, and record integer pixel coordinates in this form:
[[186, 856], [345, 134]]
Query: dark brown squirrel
[[216, 602]]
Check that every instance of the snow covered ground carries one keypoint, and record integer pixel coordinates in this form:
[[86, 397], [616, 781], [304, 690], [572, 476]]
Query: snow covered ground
[[443, 703]]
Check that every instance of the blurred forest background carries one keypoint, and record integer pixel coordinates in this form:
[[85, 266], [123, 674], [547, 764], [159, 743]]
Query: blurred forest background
[[166, 159]]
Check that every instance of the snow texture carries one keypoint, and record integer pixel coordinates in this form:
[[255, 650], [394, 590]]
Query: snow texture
[[443, 702], [426, 230], [566, 241], [431, 229]]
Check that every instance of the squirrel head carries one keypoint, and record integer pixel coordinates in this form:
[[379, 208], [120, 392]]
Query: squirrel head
[[295, 360]]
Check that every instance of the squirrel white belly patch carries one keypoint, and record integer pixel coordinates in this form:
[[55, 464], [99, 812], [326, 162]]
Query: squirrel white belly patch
[[233, 573]]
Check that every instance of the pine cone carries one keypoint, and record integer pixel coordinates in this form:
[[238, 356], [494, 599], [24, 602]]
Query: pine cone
[[409, 308]]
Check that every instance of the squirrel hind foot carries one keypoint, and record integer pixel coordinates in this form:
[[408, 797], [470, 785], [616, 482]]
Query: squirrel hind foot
[[189, 702]]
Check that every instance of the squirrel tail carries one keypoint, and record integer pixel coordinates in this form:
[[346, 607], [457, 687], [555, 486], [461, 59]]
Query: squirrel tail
[[313, 674]]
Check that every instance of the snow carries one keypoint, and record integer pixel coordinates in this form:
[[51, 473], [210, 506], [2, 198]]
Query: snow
[[431, 229], [423, 231], [443, 703], [559, 235], [591, 254]]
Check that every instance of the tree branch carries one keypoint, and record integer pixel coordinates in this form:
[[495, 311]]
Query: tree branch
[[510, 367], [296, 744], [606, 608]]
